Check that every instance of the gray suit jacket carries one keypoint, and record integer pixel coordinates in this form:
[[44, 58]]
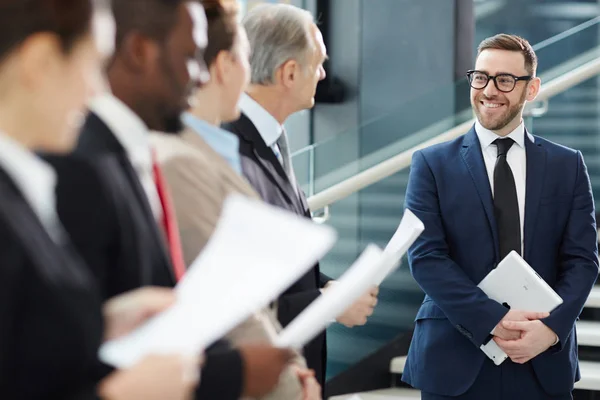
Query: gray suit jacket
[[199, 180]]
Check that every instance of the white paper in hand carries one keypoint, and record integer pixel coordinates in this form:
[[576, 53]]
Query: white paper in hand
[[408, 231], [335, 300], [255, 253]]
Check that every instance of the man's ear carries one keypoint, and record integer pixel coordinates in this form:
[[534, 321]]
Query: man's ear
[[221, 67], [137, 52], [38, 58], [533, 88], [287, 74]]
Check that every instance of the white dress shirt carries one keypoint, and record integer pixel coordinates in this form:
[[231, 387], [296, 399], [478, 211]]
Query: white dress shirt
[[35, 179], [268, 127], [516, 159], [133, 134]]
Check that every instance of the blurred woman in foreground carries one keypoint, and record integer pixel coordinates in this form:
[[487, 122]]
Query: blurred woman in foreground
[[51, 53]]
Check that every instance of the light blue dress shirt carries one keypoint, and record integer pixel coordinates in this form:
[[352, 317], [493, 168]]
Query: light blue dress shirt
[[225, 143]]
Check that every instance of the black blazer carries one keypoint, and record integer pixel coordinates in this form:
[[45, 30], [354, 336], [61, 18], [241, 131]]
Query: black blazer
[[50, 310], [266, 175], [103, 206]]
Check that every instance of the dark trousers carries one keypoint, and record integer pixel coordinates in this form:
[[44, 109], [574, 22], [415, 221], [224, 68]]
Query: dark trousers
[[508, 381]]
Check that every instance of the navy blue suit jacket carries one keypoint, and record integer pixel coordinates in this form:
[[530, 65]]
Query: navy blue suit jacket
[[449, 191]]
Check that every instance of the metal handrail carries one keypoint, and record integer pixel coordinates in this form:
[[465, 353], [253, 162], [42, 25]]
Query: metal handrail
[[402, 161]]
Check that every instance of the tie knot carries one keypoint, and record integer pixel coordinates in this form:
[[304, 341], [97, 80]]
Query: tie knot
[[503, 145]]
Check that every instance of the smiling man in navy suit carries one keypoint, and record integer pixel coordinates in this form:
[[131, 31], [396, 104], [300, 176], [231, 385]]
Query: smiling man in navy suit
[[481, 196]]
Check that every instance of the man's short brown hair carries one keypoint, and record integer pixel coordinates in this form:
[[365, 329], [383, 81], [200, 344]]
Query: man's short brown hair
[[504, 41]]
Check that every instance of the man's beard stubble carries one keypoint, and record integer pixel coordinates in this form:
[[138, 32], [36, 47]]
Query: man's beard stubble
[[172, 124], [511, 113]]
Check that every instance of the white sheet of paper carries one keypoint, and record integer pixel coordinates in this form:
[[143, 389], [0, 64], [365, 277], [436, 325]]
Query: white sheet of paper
[[255, 253], [333, 302], [408, 231]]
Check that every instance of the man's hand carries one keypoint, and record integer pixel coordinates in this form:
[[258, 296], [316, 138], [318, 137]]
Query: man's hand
[[500, 331], [358, 312], [125, 312], [263, 365], [310, 386], [536, 338], [154, 378]]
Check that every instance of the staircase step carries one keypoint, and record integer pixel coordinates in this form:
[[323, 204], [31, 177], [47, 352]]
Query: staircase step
[[573, 109], [546, 125], [588, 333], [590, 373], [581, 94], [382, 394], [593, 300], [590, 376], [397, 365]]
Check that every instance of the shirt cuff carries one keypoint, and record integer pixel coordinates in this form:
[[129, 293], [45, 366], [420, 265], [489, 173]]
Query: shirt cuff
[[556, 341]]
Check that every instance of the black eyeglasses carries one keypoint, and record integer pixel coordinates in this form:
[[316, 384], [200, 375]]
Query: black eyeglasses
[[504, 82]]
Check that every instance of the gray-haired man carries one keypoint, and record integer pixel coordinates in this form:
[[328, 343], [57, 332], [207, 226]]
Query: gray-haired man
[[287, 64]]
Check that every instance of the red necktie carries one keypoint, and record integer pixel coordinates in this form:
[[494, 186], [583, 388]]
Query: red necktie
[[169, 221]]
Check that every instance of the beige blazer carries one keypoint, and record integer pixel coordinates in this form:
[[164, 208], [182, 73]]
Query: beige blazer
[[199, 180]]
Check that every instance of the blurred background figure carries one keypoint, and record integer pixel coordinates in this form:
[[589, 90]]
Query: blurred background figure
[[202, 167], [120, 215], [286, 64], [52, 316]]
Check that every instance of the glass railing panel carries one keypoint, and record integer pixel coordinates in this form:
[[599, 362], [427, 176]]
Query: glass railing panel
[[425, 117], [370, 216], [360, 148], [539, 21], [565, 51], [573, 120]]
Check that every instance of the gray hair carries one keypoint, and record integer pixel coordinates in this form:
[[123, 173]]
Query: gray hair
[[277, 33]]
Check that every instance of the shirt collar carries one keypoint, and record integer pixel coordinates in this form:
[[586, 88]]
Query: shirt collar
[[268, 127], [224, 143], [35, 178], [213, 135], [127, 126], [487, 137]]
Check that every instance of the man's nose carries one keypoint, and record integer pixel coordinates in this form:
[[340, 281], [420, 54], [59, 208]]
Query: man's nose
[[490, 90]]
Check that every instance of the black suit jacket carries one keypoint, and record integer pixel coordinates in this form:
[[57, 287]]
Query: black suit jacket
[[104, 208], [266, 175], [50, 319]]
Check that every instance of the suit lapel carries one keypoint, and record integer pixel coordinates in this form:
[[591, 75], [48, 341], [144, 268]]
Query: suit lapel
[[41, 248], [536, 169], [268, 161], [103, 140], [132, 178], [473, 159], [107, 140]]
